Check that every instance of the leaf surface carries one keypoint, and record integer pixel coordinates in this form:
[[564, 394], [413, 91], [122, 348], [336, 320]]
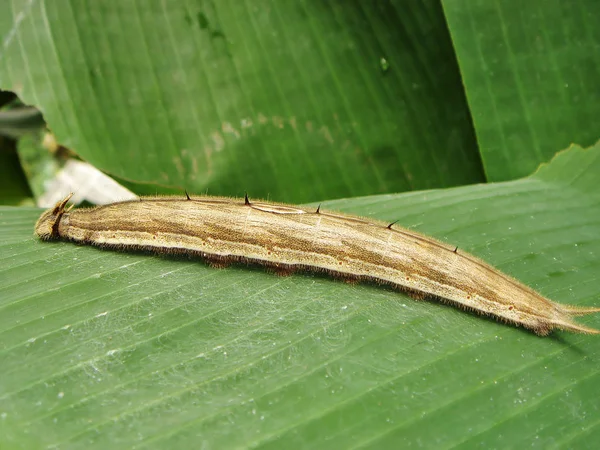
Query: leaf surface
[[102, 349]]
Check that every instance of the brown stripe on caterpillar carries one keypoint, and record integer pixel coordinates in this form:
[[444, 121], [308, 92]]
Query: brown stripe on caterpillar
[[286, 238]]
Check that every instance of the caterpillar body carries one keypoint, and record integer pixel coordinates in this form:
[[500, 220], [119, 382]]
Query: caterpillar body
[[287, 238]]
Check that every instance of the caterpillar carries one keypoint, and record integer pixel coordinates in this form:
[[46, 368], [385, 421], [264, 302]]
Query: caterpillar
[[287, 238]]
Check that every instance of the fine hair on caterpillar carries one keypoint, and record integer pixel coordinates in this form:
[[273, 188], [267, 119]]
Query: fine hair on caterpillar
[[287, 238]]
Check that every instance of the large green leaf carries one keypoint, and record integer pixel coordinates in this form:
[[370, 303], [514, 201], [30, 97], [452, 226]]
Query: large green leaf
[[103, 349], [296, 100], [531, 71]]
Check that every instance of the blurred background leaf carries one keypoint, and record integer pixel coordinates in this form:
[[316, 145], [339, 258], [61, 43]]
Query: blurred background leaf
[[298, 101], [531, 73], [309, 100]]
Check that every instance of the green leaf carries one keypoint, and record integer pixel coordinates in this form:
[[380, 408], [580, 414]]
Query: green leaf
[[530, 71], [287, 100], [102, 349]]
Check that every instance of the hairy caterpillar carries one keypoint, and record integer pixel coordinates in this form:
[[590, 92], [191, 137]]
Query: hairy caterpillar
[[288, 238]]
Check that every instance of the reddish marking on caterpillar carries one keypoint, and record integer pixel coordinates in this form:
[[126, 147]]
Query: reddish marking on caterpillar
[[287, 238]]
